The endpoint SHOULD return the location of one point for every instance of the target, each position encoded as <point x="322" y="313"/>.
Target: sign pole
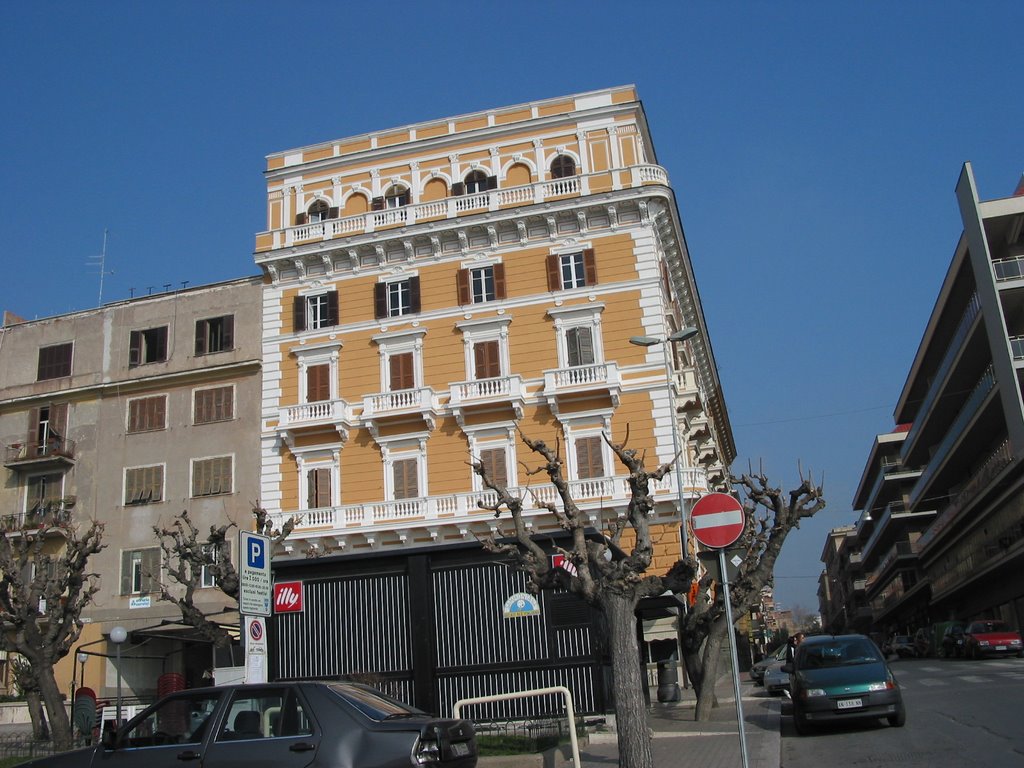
<point x="735" y="660"/>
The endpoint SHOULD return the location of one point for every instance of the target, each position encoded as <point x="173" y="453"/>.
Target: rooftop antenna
<point x="101" y="262"/>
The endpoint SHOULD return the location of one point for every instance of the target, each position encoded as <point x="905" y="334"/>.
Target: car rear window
<point x="837" y="653"/>
<point x="373" y="704"/>
<point x="981" y="627"/>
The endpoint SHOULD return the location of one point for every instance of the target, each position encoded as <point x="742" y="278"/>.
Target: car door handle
<point x="302" y="746"/>
<point x="188" y="754"/>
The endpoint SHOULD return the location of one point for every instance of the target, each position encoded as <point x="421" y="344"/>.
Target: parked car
<point x="923" y="642"/>
<point x="991" y="638"/>
<point x="952" y="646"/>
<point x="758" y="668"/>
<point x="776" y="679"/>
<point x="279" y="725"/>
<point x="902" y="646"/>
<point x="838" y="678"/>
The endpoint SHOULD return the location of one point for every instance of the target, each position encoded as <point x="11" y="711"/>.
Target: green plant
<point x="491" y="746"/>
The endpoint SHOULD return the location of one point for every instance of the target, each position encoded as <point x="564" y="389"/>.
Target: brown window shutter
<point x="159" y="412"/>
<point x="377" y="204"/>
<point x="462" y="286"/>
<point x="499" y="281"/>
<point x="201" y="326"/>
<point x="488" y="360"/>
<point x="299" y="314"/>
<point x="202" y="406"/>
<point x="588" y="458"/>
<point x="414" y="294"/>
<point x="332" y="212"/>
<point x="228" y="332"/>
<point x="380" y="300"/>
<point x="406" y="481"/>
<point x="332" y="308"/>
<point x="58" y="419"/>
<point x="318" y="383"/>
<point x="554" y="272"/>
<point x="161" y="344"/>
<point x="493" y="460"/>
<point x="134" y="348"/>
<point x="401" y="371"/>
<point x="301" y="218"/>
<point x="589" y="266"/>
<point x="458" y="189"/>
<point x="492" y="182"/>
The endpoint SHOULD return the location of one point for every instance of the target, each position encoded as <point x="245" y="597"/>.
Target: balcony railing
<point x="527" y="194"/>
<point x="50" y="512"/>
<point x="939" y="377"/>
<point x="311" y="414"/>
<point x="1008" y="269"/>
<point x="400" y="402"/>
<point x="486" y="391"/>
<point x="462" y="508"/>
<point x="583" y="378"/>
<point x="51" y="450"/>
<point x="900" y="549"/>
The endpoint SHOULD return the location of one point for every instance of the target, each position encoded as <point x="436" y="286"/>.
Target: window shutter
<point x="333" y="212"/>
<point x="150" y="569"/>
<point x="126" y="572"/>
<point x="301" y="218"/>
<point x="332" y="308"/>
<point x="554" y="272"/>
<point x="588" y="458"/>
<point x="318" y="383"/>
<point x="406" y="481"/>
<point x="414" y="294"/>
<point x="377" y="204"/>
<point x="161" y="344"/>
<point x="458" y="189"/>
<point x="589" y="266"/>
<point x="228" y="332"/>
<point x="499" y="281"/>
<point x="380" y="300"/>
<point x="201" y="326"/>
<point x="493" y="460"/>
<point x="492" y="182"/>
<point x="319" y="490"/>
<point x="299" y="313"/>
<point x="488" y="362"/>
<point x="58" y="419"/>
<point x="159" y="410"/>
<point x="585" y="338"/>
<point x="134" y="348"/>
<point x="401" y="371"/>
<point x="462" y="285"/>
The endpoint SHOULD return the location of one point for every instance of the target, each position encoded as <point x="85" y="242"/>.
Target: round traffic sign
<point x="717" y="520"/>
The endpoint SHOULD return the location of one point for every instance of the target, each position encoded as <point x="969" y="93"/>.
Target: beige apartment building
<point x="129" y="414"/>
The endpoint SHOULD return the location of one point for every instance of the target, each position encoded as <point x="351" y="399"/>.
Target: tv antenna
<point x="101" y="262"/>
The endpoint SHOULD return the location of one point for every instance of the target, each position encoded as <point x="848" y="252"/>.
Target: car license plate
<point x="849" y="703"/>
<point x="460" y="749"/>
<point x="1000" y="647"/>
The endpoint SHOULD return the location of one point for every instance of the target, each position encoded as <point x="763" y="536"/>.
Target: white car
<point x="775" y="680"/>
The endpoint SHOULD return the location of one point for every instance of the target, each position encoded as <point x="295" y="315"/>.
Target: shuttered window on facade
<point x="140" y="571"/>
<point x="54" y="361"/>
<point x="146" y="414"/>
<point x="143" y="485"/>
<point x="216" y="404"/>
<point x="571" y="270"/>
<point x="211" y="477"/>
<point x="402" y="373"/>
<point x="487" y="359"/>
<point x="318" y="382"/>
<point x="215" y="334"/>
<point x="589" y="457"/>
<point x="579" y="346"/>
<point x="495" y="465"/>
<point x="318" y="488"/>
<point x="406" y="480"/>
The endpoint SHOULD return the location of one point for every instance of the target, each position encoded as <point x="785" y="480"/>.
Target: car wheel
<point x="900" y="718"/>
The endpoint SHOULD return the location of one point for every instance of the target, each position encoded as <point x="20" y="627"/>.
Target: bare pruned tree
<point x="44" y="587"/>
<point x="187" y="553"/>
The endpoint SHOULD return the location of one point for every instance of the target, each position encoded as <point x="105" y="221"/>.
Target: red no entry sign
<point x="717" y="520"/>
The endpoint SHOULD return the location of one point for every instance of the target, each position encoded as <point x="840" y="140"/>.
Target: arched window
<point x="396" y="196"/>
<point x="476" y="181"/>
<point x="319" y="211"/>
<point x="562" y="167"/>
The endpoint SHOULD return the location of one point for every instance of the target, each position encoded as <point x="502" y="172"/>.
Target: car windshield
<point x="981" y="627"/>
<point x="837" y="653"/>
<point x="373" y="704"/>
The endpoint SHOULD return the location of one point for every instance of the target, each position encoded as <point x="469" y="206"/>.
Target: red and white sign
<point x="288" y="597"/>
<point x="717" y="520"/>
<point x="561" y="561"/>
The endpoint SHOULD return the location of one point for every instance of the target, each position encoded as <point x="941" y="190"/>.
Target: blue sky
<point x="813" y="147"/>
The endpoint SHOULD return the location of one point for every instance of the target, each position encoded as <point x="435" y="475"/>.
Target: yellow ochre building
<point x="427" y="289"/>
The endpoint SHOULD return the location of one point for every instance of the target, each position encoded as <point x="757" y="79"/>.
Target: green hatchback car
<point x="836" y="678"/>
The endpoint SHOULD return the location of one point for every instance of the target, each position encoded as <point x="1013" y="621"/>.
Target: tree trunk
<point x="630" y="709"/>
<point x="40" y="732"/>
<point x="60" y="723"/>
<point x="706" y="700"/>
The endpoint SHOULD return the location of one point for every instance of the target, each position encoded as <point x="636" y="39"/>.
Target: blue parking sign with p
<point x="257" y="555"/>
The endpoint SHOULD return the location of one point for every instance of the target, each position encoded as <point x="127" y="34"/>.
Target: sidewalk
<point x="679" y="740"/>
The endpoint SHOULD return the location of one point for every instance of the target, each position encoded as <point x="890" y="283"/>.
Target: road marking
<point x="931" y="669"/>
<point x="930" y="681"/>
<point x="972" y="679"/>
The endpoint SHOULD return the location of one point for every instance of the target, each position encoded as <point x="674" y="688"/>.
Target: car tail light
<point x="426" y="751"/>
<point x="888" y="685"/>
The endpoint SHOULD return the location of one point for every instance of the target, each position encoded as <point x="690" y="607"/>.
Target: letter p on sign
<point x="256" y="554"/>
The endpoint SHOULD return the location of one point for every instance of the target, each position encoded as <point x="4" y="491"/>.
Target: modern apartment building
<point x="942" y="497"/>
<point x="431" y="289"/>
<point x="129" y="414"/>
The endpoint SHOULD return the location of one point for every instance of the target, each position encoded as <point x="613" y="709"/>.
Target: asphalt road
<point x="959" y="713"/>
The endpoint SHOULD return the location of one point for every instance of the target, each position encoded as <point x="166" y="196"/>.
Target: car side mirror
<point x="787" y="668"/>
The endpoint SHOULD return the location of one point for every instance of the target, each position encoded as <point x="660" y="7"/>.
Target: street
<point x="959" y="713"/>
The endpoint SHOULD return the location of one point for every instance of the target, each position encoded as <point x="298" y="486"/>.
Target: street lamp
<point x="117" y="636"/>
<point x="82" y="658"/>
<point x="649" y="341"/>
